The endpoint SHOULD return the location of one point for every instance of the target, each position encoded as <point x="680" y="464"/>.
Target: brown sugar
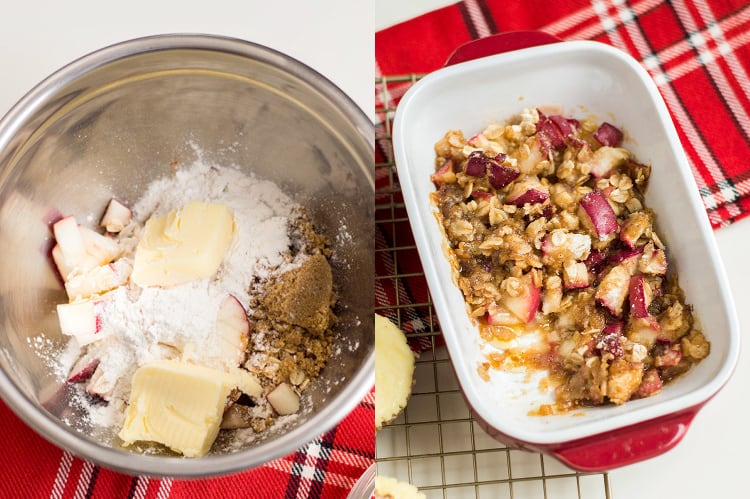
<point x="302" y="296"/>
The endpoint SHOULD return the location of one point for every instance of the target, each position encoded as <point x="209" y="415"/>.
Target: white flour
<point x="154" y="323"/>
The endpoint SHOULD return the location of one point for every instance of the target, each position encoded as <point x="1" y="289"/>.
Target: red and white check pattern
<point x="327" y="467"/>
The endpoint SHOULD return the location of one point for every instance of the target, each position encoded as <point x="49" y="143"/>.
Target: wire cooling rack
<point x="435" y="443"/>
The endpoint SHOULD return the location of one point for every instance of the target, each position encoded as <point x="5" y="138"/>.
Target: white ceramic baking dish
<point x="583" y="79"/>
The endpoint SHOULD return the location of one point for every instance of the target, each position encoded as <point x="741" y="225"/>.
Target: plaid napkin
<point x="327" y="467"/>
<point x="697" y="51"/>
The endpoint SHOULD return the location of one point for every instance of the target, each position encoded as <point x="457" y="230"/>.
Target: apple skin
<point x="596" y="212"/>
<point x="525" y="305"/>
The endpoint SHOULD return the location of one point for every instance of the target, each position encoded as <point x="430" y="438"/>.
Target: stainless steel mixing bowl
<point x="112" y="121"/>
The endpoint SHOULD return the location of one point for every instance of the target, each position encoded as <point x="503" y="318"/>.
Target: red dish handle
<point x="499" y="43"/>
<point x="626" y="445"/>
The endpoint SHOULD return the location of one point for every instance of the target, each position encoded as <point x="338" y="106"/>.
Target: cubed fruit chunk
<point x="634" y="227"/>
<point x="625" y="255"/>
<point x="552" y="300"/>
<point x="63" y="267"/>
<point x="500" y="175"/>
<point x="639" y="296"/>
<point x="563" y="245"/>
<point x="498" y="315"/>
<point x="70" y="240"/>
<point x="552" y="131"/>
<point x="644" y="330"/>
<point x="476" y="165"/>
<point x="232" y="331"/>
<point x="80" y="320"/>
<point x="653" y="262"/>
<point x="284" y="400"/>
<point x="527" y="191"/>
<point x="596" y="213"/>
<point x="444" y="174"/>
<point x="98" y="280"/>
<point x="100" y="385"/>
<point x="613" y="289"/>
<point x="83" y="369"/>
<point x="575" y="275"/>
<point x="607" y="160"/>
<point x="116" y="217"/>
<point x="609" y="340"/>
<point x="624" y="379"/>
<point x="669" y="356"/>
<point x="526" y="301"/>
<point x="650" y="384"/>
<point x="608" y="135"/>
<point x="102" y="248"/>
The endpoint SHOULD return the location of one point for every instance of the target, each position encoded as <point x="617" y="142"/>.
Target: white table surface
<point x="710" y="461"/>
<point x="334" y="37"/>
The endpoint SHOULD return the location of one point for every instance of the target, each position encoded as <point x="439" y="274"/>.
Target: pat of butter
<point x="185" y="245"/>
<point x="177" y="404"/>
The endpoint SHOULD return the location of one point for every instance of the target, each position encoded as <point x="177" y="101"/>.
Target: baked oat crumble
<point x="549" y="232"/>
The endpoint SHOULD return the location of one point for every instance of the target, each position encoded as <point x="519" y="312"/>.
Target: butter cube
<point x="177" y="404"/>
<point x="185" y="245"/>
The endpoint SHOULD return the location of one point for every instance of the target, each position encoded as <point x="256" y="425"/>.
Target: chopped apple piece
<point x="575" y="275"/>
<point x="624" y="379"/>
<point x="606" y="160"/>
<point x="237" y="416"/>
<point x="232" y="331"/>
<point x="70" y="240"/>
<point x="562" y="245"/>
<point x="552" y="299"/>
<point x="501" y="175"/>
<point x="63" y="267"/>
<point x="247" y="383"/>
<point x="101" y="385"/>
<point x="625" y="255"/>
<point x="639" y="296"/>
<point x="527" y="191"/>
<point x="83" y="369"/>
<point x="526" y="303"/>
<point x="613" y="289"/>
<point x="283" y="399"/>
<point x="608" y="135"/>
<point x="650" y="385"/>
<point x="644" y="330"/>
<point x="596" y="213"/>
<point x="80" y="319"/>
<point x="653" y="262"/>
<point x="104" y="249"/>
<point x="444" y="175"/>
<point x="96" y="281"/>
<point x="634" y="227"/>
<point x="497" y="315"/>
<point x="670" y="356"/>
<point x="116" y="217"/>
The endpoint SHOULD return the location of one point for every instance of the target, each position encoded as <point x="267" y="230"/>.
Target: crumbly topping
<point x="549" y="231"/>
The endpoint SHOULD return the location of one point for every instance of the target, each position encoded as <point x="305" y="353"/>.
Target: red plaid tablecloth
<point x="327" y="467"/>
<point x="697" y="51"/>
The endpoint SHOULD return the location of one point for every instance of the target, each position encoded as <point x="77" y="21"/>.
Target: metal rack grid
<point x="435" y="443"/>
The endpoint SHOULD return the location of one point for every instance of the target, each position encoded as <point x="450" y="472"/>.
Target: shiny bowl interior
<point x="111" y="122"/>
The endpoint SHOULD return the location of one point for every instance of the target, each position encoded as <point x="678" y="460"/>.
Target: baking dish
<point x="583" y="79"/>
